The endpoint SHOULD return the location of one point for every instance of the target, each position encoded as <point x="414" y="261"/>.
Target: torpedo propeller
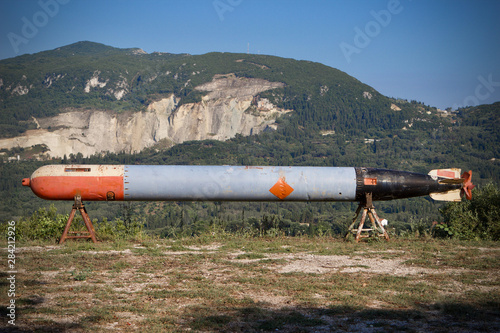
<point x="467" y="185"/>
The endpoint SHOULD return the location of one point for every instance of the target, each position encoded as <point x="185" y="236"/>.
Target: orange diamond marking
<point x="281" y="189"/>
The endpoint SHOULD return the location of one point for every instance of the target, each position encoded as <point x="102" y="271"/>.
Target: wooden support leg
<point x="376" y="225"/>
<point x="361" y="224"/>
<point x="349" y="230"/>
<point x="379" y="224"/>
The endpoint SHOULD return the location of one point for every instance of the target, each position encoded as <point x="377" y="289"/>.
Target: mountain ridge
<point x="88" y="75"/>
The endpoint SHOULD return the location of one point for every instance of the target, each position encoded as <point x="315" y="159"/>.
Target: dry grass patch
<point x="240" y="284"/>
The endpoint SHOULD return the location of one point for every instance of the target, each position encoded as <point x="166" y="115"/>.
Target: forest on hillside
<point x="469" y="142"/>
<point x="336" y="121"/>
<point x="47" y="83"/>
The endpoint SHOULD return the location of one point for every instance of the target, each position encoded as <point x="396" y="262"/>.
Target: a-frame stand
<point x="78" y="205"/>
<point x="368" y="209"/>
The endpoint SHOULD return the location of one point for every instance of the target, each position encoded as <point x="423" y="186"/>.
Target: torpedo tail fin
<point x="452" y="176"/>
<point x="453" y="195"/>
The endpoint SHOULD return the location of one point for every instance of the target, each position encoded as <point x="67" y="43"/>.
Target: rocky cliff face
<point x="229" y="107"/>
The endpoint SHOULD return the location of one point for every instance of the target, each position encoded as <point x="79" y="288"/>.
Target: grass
<point x="232" y="283"/>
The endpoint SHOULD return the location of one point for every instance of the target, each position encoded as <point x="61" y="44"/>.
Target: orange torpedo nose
<point x="26" y="182"/>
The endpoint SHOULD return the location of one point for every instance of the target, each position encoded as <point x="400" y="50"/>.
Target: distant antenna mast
<point x="248" y="48"/>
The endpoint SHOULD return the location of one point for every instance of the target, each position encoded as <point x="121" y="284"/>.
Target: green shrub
<point x="42" y="225"/>
<point x="478" y="218"/>
<point x="119" y="229"/>
<point x="47" y="225"/>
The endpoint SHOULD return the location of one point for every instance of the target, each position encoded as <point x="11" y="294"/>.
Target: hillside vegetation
<point x="49" y="82"/>
<point x="337" y="121"/>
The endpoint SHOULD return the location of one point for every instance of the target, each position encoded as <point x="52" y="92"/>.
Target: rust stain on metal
<point x="281" y="189"/>
<point x="77" y="170"/>
<point x="251" y="167"/>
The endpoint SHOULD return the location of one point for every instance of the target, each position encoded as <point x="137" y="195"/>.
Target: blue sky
<point x="443" y="53"/>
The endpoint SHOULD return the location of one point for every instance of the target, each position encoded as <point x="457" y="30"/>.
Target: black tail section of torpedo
<point x="440" y="184"/>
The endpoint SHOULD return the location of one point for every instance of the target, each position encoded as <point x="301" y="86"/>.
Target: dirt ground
<point x="286" y="287"/>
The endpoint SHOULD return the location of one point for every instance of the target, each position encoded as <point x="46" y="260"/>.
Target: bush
<point x="42" y="225"/>
<point x="119" y="229"/>
<point x="47" y="225"/>
<point x="478" y="218"/>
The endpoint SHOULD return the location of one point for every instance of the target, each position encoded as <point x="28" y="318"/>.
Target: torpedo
<point x="242" y="183"/>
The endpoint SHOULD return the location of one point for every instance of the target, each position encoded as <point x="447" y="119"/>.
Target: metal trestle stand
<point x="90" y="233"/>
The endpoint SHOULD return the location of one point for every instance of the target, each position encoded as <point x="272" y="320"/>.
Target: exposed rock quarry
<point x="229" y="107"/>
